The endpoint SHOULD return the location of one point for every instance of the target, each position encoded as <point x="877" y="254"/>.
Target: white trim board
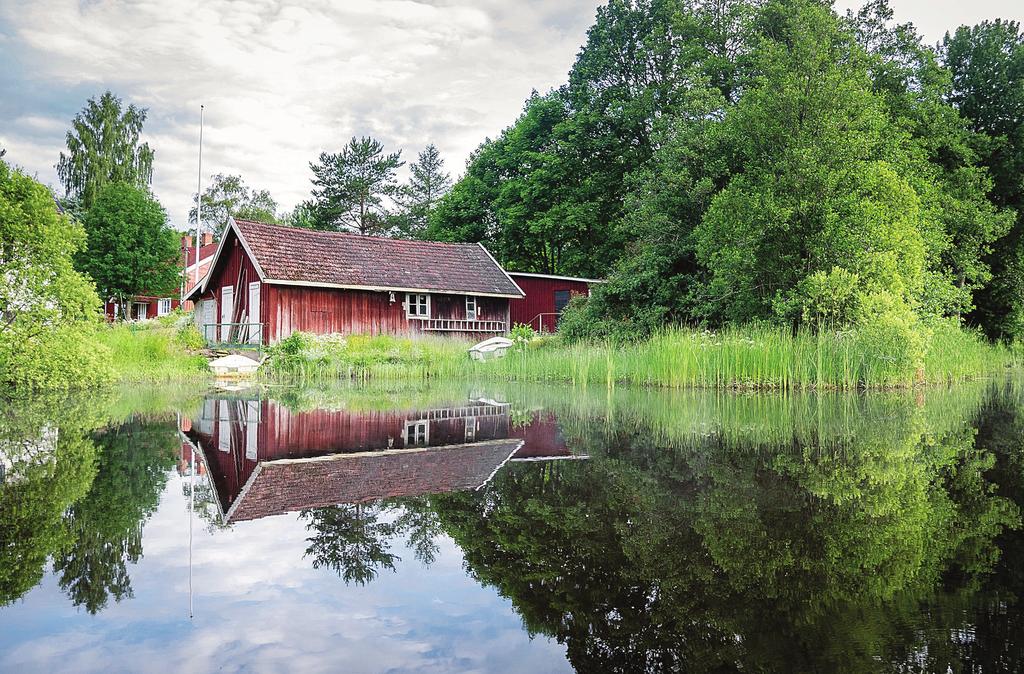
<point x="557" y="278"/>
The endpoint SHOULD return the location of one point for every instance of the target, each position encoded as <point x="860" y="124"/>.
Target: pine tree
<point x="428" y="182"/>
<point x="351" y="187"/>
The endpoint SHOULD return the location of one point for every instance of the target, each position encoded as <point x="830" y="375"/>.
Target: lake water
<point x="499" y="528"/>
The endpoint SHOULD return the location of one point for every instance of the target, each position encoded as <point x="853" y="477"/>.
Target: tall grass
<point x="742" y="358"/>
<point x="152" y="352"/>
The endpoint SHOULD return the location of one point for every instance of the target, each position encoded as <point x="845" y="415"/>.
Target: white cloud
<point x="284" y="81"/>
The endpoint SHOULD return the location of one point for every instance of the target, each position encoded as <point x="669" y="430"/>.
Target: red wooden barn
<point x="268" y="281"/>
<point x="545" y="298"/>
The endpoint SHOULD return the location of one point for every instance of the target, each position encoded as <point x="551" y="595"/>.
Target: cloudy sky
<point x="284" y="80"/>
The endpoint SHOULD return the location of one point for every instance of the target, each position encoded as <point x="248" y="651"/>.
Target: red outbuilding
<point x="545" y="298"/>
<point x="268" y="281"/>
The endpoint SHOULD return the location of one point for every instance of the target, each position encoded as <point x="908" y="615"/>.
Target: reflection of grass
<point x="688" y="418"/>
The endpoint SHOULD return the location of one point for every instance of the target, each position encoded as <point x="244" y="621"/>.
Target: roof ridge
<point x="353" y="235"/>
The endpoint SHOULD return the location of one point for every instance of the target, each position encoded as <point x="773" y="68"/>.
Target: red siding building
<point x="268" y="281"/>
<point x="545" y="298"/>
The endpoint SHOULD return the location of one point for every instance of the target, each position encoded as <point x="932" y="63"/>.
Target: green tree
<point x="229" y="196"/>
<point x="986" y="62"/>
<point x="428" y="182"/>
<point x="303" y="215"/>
<point x="103" y="147"/>
<point x="548" y="194"/>
<point x="352" y="188"/>
<point x="46" y="307"/>
<point x="131" y="249"/>
<point x="821" y="185"/>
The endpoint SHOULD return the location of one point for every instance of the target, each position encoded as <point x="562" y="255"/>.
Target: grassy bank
<point x="158" y="351"/>
<point x="742" y="358"/>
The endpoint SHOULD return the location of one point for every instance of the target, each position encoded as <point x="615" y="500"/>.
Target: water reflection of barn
<point x="264" y="458"/>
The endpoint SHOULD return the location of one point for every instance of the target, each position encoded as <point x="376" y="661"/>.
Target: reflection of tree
<point x="106" y="525"/>
<point x="351" y="540"/>
<point x="355" y="539"/>
<point x="50" y="465"/>
<point x="726" y="551"/>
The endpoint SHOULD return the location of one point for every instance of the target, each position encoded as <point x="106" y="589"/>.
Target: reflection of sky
<point x="259" y="606"/>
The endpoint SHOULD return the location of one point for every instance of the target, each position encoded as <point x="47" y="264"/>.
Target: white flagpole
<point x="199" y="196"/>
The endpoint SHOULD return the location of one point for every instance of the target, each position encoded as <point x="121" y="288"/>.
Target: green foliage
<point x="522" y="335"/>
<point x="350" y="187"/>
<point x="47" y="310"/>
<point x="986" y="64"/>
<point x="103" y="147"/>
<point x="753" y="160"/>
<point x="308" y="356"/>
<point x="131" y="248"/>
<point x="229" y="196"/>
<point x="153" y="353"/>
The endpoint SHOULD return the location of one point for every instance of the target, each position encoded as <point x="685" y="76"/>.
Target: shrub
<point x="522" y="335"/>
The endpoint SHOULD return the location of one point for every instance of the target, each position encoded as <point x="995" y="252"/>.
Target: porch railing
<point x="538" y="321"/>
<point x="233" y="335"/>
<point x="463" y="325"/>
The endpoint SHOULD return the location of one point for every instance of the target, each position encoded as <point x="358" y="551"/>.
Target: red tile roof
<point x="336" y="258"/>
<point x="296" y="484"/>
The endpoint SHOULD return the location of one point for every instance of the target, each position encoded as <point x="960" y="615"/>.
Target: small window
<point x="561" y="299"/>
<point x="470" y="429"/>
<point x="417" y="305"/>
<point x="163" y="307"/>
<point x="417" y="433"/>
<point x="470" y="308"/>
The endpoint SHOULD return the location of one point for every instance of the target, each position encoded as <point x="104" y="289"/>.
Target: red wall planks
<point x="540" y="299"/>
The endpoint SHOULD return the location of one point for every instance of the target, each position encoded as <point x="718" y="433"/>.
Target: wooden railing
<point x="463" y="325"/>
<point x="537" y="322"/>
<point x="234" y="335"/>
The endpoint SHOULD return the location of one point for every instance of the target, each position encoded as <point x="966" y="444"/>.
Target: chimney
<point x="207" y="238"/>
<point x="186" y="242"/>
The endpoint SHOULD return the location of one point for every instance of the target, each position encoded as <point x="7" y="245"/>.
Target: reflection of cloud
<point x="283" y="82"/>
<point x="261" y="607"/>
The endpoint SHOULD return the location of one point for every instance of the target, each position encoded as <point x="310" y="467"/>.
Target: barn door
<point x="227" y="310"/>
<point x="255" y="331"/>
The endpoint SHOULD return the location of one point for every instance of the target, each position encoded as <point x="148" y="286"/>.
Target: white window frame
<point x="163" y="306"/>
<point x="471" y="315"/>
<point x="471" y="426"/>
<point x="414" y="303"/>
<point x="420" y="433"/>
<point x="144" y="306"/>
